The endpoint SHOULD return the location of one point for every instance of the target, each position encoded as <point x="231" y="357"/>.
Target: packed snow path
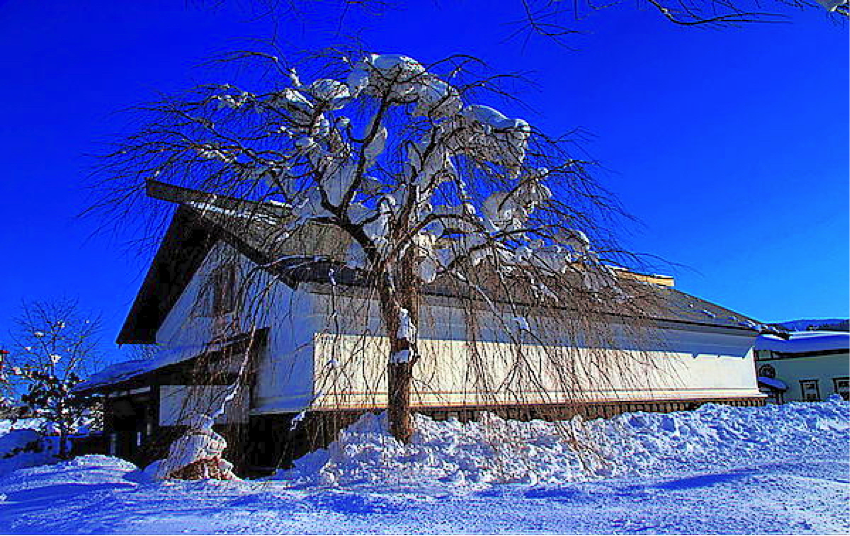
<point x="717" y="470"/>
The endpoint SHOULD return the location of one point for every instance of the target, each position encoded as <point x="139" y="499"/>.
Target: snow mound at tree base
<point x="495" y="450"/>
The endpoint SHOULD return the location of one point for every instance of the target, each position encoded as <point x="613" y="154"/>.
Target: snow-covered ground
<point x="778" y="469"/>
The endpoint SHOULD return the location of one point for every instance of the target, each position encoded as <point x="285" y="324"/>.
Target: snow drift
<point x="777" y="469"/>
<point x="26" y="448"/>
<point x="495" y="450"/>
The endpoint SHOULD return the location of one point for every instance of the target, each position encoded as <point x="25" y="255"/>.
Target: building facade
<point x="297" y="351"/>
<point x="809" y="366"/>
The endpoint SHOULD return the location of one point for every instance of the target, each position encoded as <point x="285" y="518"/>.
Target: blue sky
<point x="730" y="146"/>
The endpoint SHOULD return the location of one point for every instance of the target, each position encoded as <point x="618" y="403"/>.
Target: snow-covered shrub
<point x="196" y="454"/>
<point x="19" y="441"/>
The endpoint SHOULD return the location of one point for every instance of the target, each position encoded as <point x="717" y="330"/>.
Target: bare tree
<point x="557" y="20"/>
<point x="5" y="384"/>
<point x="427" y="192"/>
<point x="55" y="348"/>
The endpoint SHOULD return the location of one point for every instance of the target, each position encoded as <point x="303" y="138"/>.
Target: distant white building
<point x="809" y="366"/>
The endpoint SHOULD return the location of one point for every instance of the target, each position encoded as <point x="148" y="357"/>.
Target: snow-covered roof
<point x="193" y="231"/>
<point x="801" y="342"/>
<point x="127" y="370"/>
<point x="779" y="385"/>
<point x="116" y="373"/>
<point x="815" y="324"/>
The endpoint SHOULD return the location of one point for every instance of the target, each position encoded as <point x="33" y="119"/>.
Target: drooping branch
<point x="428" y="192"/>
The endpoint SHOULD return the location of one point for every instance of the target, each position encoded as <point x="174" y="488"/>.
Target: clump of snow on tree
<point x="330" y="170"/>
<point x="835" y="5"/>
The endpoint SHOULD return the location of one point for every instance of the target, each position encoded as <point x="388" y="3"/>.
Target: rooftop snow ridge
<point x="656" y="279"/>
<point x="805" y="342"/>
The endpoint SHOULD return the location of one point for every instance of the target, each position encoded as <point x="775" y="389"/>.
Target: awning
<point x="773" y="383"/>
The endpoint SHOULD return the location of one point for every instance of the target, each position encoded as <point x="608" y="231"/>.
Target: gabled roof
<point x="187" y="241"/>
<point x="664" y="302"/>
<point x="200" y="221"/>
<point x="203" y="219"/>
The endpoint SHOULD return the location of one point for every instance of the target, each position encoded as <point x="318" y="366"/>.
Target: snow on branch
<point x="393" y="154"/>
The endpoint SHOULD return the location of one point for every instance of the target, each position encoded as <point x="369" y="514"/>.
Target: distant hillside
<point x="826" y="324"/>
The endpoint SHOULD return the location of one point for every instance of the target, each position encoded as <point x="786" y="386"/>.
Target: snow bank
<point x="22" y="445"/>
<point x="30" y="442"/>
<point x="17" y="441"/>
<point x="478" y="453"/>
<point x="24" y="459"/>
<point x="90" y="469"/>
<point x="778" y="469"/>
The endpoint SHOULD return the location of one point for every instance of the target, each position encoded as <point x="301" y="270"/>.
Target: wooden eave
<point x="185" y="372"/>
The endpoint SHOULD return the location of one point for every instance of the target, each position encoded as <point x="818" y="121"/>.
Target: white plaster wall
<point x="285" y="372"/>
<point x="671" y="364"/>
<point x="821" y="368"/>
<point x="339" y="360"/>
<point x="285" y="365"/>
<point x="177" y="403"/>
<point x="183" y="328"/>
<point x="445" y="373"/>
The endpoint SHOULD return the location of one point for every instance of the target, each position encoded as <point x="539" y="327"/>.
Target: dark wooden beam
<point x="208" y="201"/>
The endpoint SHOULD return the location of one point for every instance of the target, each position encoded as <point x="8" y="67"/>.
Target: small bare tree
<point x="426" y="189"/>
<point x="5" y="385"/>
<point x="55" y="348"/>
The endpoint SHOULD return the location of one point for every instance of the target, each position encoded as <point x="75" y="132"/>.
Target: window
<point x="810" y="390"/>
<point x="842" y="387"/>
<point x="113" y="444"/>
<point x="767" y="371"/>
<point x="774" y="397"/>
<point x="218" y="296"/>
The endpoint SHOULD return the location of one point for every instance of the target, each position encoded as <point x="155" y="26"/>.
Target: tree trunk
<point x="403" y="353"/>
<point x="63" y="439"/>
<point x="400" y="376"/>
